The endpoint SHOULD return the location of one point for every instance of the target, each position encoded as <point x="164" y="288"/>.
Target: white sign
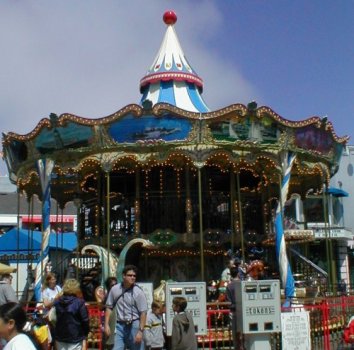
<point x="149" y="292"/>
<point x="295" y="327"/>
<point x="333" y="233"/>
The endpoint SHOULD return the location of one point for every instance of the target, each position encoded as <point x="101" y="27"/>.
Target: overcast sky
<point x="87" y="57"/>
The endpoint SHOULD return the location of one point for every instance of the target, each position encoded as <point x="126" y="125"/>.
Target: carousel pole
<point x="108" y="217"/>
<point x="240" y="216"/>
<point x="31" y="223"/>
<point x="29" y="236"/>
<point x="285" y="272"/>
<point x="137" y="231"/>
<point x="232" y="208"/>
<point x="18" y="237"/>
<point x="189" y="220"/>
<point x="29" y="278"/>
<point x="62" y="241"/>
<point x="56" y="236"/>
<point x="99" y="221"/>
<point x="78" y="203"/>
<point x="327" y="237"/>
<point x="45" y="167"/>
<point x="201" y="223"/>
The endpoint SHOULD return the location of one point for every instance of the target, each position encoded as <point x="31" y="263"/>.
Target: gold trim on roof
<point x="160" y="109"/>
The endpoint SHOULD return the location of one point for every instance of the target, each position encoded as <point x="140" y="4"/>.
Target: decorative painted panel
<point x="263" y="131"/>
<point x="148" y="127"/>
<point x="70" y="136"/>
<point x="312" y="138"/>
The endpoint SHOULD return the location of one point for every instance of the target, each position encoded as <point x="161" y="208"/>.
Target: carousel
<point x="185" y="183"/>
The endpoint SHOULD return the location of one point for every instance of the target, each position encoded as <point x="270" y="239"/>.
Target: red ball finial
<point x="169" y="17"/>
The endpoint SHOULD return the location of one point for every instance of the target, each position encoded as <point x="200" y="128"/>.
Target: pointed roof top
<point x="171" y="76"/>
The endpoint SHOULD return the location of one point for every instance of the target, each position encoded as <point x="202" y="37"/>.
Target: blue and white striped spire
<point x="45" y="168"/>
<point x="170" y="78"/>
<point x="285" y="272"/>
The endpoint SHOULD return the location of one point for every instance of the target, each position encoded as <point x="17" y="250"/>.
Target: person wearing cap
<point x="7" y="293"/>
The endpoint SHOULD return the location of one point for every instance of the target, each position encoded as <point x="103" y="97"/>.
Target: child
<point x="183" y="333"/>
<point x="12" y="320"/>
<point x="153" y="331"/>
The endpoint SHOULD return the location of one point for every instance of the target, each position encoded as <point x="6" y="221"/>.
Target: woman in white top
<point x="51" y="291"/>
<point x="12" y="320"/>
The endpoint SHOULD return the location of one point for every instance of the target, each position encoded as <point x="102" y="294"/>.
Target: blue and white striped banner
<point x="45" y="168"/>
<point x="286" y="275"/>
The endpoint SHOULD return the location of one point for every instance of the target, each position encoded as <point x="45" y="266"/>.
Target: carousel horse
<point x="102" y="253"/>
<point x="222" y="291"/>
<point x="122" y="256"/>
<point x="212" y="291"/>
<point x="255" y="270"/>
<point x="116" y="264"/>
<point x="160" y="292"/>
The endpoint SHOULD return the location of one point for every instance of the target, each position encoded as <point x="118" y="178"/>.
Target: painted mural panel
<point x="70" y="136"/>
<point x="312" y="138"/>
<point x="148" y="127"/>
<point x="17" y="152"/>
<point x="263" y="131"/>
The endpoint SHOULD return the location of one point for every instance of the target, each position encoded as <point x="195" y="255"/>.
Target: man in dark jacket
<point x="72" y="320"/>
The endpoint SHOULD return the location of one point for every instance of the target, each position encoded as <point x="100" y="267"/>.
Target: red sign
<point x="37" y="219"/>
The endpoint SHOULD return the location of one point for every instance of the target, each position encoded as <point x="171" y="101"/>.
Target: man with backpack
<point x="129" y="302"/>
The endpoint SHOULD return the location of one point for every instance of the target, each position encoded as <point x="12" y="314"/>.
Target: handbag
<point x="52" y="315"/>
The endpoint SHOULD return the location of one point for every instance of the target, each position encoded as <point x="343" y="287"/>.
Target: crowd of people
<point x="64" y="322"/>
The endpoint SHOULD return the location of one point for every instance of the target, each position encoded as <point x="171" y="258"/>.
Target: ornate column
<point x="137" y="221"/>
<point x="201" y="238"/>
<point x="232" y="209"/>
<point x="188" y="208"/>
<point x="107" y="167"/>
<point x="78" y="205"/>
<point x="239" y="206"/>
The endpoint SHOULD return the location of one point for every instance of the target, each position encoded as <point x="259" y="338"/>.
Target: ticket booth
<point x="195" y="293"/>
<point x="258" y="311"/>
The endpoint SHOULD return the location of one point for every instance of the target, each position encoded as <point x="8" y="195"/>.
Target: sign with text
<point x="295" y="328"/>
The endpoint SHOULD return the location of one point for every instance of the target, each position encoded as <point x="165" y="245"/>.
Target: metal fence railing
<point x="329" y="318"/>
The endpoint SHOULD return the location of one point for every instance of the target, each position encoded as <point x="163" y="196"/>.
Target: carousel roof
<point x="171" y="79"/>
<point x="173" y="131"/>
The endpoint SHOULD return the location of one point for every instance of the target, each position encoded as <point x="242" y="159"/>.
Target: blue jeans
<point x="125" y="335"/>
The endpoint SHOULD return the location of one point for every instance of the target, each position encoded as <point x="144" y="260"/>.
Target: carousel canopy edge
<point x="233" y="126"/>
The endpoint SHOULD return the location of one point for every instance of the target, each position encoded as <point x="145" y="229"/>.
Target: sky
<point x="86" y="57"/>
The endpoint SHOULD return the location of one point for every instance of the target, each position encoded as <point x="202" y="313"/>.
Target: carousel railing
<point x="329" y="319"/>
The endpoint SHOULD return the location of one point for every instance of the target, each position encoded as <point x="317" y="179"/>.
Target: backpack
<point x="31" y="335"/>
<point x="127" y="290"/>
